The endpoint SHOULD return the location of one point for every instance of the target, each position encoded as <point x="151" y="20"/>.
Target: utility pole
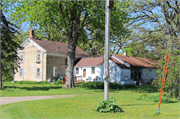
<point x="106" y="55"/>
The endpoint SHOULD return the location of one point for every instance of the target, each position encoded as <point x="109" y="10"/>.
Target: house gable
<point x="27" y="41"/>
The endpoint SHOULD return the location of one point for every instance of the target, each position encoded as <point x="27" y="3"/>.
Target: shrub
<point x="108" y="106"/>
<point x="100" y="85"/>
<point x="115" y="86"/>
<point x="58" y="82"/>
<point x="93" y="85"/>
<point x="172" y="82"/>
<point x="32" y="82"/>
<point x="155" y="98"/>
<point x="44" y="82"/>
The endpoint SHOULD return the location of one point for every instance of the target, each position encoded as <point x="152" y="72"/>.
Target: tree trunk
<point x="178" y="21"/>
<point x="70" y="63"/>
<point x="0" y="67"/>
<point x="0" y="80"/>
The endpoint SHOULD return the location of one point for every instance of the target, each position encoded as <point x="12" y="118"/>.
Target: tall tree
<point x="9" y="45"/>
<point x="68" y="17"/>
<point x="156" y="24"/>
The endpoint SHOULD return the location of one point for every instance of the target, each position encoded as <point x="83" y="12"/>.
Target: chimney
<point x="125" y="53"/>
<point x="31" y="33"/>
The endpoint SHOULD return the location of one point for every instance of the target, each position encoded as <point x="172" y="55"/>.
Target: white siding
<point x="126" y="74"/>
<point x="114" y="72"/>
<point x="148" y="74"/>
<point x="88" y="71"/>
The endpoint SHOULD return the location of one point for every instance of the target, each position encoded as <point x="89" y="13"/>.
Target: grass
<point x="12" y="90"/>
<point x="82" y="107"/>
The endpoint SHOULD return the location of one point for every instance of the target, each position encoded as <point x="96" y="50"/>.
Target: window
<point x="77" y="70"/>
<point x="21" y="71"/>
<point x="38" y="72"/>
<point x="21" y="56"/>
<point x="92" y="70"/>
<point x="38" y="56"/>
<point x="55" y="71"/>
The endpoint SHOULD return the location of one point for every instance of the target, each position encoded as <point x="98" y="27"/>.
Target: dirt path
<point x="7" y="100"/>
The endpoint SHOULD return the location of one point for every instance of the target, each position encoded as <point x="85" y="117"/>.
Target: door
<point x="84" y="73"/>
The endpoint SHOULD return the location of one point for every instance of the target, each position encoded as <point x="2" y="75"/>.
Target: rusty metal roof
<point x="138" y="61"/>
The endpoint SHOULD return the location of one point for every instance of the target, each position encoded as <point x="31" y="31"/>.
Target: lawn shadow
<point x="141" y="88"/>
<point x="33" y="88"/>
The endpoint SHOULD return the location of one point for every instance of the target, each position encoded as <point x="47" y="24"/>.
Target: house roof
<point x="137" y="61"/>
<point x="118" y="63"/>
<point x="52" y="46"/>
<point x="92" y="61"/>
<point x="96" y="61"/>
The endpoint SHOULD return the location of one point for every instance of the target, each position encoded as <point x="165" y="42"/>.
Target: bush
<point x="108" y="106"/>
<point x="115" y="86"/>
<point x="32" y="82"/>
<point x="58" y="82"/>
<point x="172" y="82"/>
<point x="93" y="85"/>
<point x="155" y="98"/>
<point x="100" y="85"/>
<point x="44" y="82"/>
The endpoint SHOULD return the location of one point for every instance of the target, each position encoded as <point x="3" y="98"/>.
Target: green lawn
<point x="81" y="107"/>
<point x="42" y="89"/>
<point x="12" y="90"/>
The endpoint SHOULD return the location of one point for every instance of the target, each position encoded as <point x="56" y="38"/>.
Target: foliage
<point x="155" y="98"/>
<point x="155" y="26"/>
<point x="9" y="45"/>
<point x="59" y="82"/>
<point x="32" y="82"/>
<point x="108" y="106"/>
<point x="93" y="85"/>
<point x="172" y="83"/>
<point x="100" y="85"/>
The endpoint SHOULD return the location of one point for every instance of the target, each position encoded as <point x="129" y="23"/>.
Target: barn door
<point x="84" y="73"/>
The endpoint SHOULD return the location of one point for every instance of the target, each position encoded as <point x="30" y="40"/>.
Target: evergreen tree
<point x="8" y="49"/>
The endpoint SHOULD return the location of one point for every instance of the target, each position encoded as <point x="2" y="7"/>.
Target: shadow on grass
<point x="137" y="104"/>
<point x="116" y="87"/>
<point x="141" y="88"/>
<point x="33" y="88"/>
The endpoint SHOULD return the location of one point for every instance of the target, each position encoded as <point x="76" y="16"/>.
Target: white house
<point x="121" y="67"/>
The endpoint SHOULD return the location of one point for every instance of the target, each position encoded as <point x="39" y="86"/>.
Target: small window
<point x="77" y="70"/>
<point x="92" y="70"/>
<point x="38" y="56"/>
<point x="54" y="71"/>
<point x="21" y="56"/>
<point x="21" y="71"/>
<point x="38" y="72"/>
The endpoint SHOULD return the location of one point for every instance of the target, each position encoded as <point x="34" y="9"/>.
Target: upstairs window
<point x="38" y="72"/>
<point x="38" y="56"/>
<point x="92" y="70"/>
<point x="77" y="70"/>
<point x="21" y="72"/>
<point x="54" y="71"/>
<point x="21" y="56"/>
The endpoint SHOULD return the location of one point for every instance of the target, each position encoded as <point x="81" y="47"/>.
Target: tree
<point x="156" y="25"/>
<point x="68" y="17"/>
<point x="9" y="45"/>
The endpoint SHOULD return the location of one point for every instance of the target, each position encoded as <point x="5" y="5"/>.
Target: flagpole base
<point x="158" y="110"/>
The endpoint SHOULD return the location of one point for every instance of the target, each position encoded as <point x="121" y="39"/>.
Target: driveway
<point x="7" y="100"/>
